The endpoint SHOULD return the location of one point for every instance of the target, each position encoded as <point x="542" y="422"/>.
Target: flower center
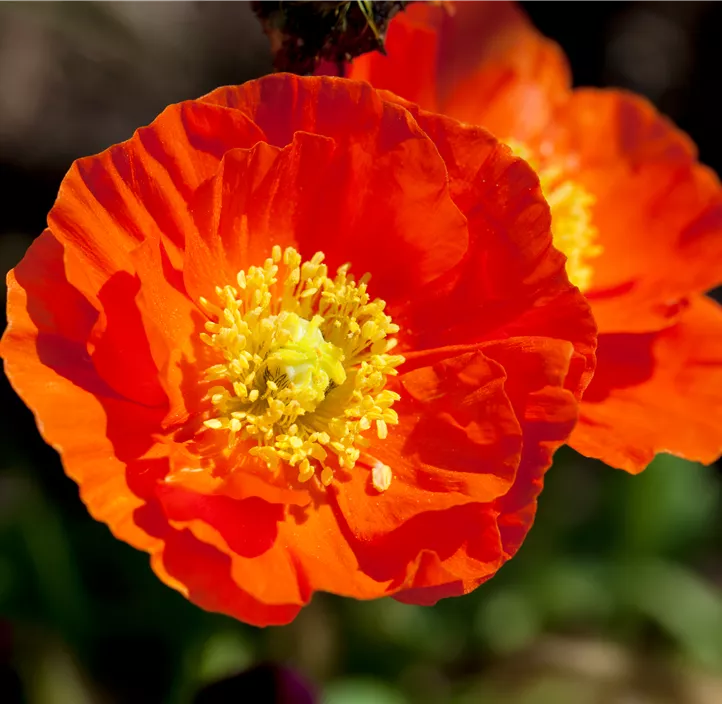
<point x="301" y="361"/>
<point x="571" y="207"/>
<point x="305" y="359"/>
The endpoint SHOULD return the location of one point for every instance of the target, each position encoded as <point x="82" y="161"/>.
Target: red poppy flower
<point x="638" y="217"/>
<point x="232" y="400"/>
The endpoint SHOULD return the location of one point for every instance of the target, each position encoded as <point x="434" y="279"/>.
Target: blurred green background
<point x="615" y="598"/>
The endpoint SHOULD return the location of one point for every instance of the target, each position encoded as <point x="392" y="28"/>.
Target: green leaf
<point x="683" y="604"/>
<point x="669" y="505"/>
<point x="224" y="654"/>
<point x="508" y="621"/>
<point x="361" y="691"/>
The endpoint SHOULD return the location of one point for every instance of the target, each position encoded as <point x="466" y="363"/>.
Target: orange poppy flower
<point x="266" y="421"/>
<point x="638" y="217"/>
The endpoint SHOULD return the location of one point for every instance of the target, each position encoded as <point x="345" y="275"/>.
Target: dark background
<point x="616" y="596"/>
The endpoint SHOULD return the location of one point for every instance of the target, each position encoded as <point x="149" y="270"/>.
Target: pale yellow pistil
<point x="571" y="207"/>
<point x="305" y="363"/>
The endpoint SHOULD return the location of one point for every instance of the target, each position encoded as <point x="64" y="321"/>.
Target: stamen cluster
<point x="305" y="360"/>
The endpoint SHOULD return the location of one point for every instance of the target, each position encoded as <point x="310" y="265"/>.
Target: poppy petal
<point x="338" y="190"/>
<point x="409" y="66"/>
<point x="546" y="403"/>
<point x="656" y="392"/>
<point x="481" y="63"/>
<point x="458" y="543"/>
<point x="202" y="573"/>
<point x="656" y="206"/>
<point x="458" y="441"/>
<point x="536" y="373"/>
<point x="243" y="530"/>
<point x="526" y="292"/>
<point x="44" y="348"/>
<point x="323" y="551"/>
<point x="279" y="557"/>
<point x="140" y="189"/>
<point x="118" y="344"/>
<point x="171" y="323"/>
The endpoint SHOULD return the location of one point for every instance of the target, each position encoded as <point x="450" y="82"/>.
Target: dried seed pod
<point x="303" y="34"/>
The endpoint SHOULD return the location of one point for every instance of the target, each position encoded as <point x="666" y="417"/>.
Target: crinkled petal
<point x="658" y="211"/>
<point x="656" y="392"/>
<point x="203" y="573"/>
<point x="537" y="371"/>
<point x="99" y="433"/>
<point x="119" y="346"/>
<point x="479" y="62"/>
<point x="512" y="282"/>
<point x="544" y="393"/>
<point x="458" y="441"/>
<point x="437" y="547"/>
<point x="277" y="556"/>
<point x="110" y="203"/>
<point x="367" y="186"/>
<point x="171" y="324"/>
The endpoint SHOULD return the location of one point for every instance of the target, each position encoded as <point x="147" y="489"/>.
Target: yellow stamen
<point x="303" y="364"/>
<point x="572" y="223"/>
<point x="381" y="476"/>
